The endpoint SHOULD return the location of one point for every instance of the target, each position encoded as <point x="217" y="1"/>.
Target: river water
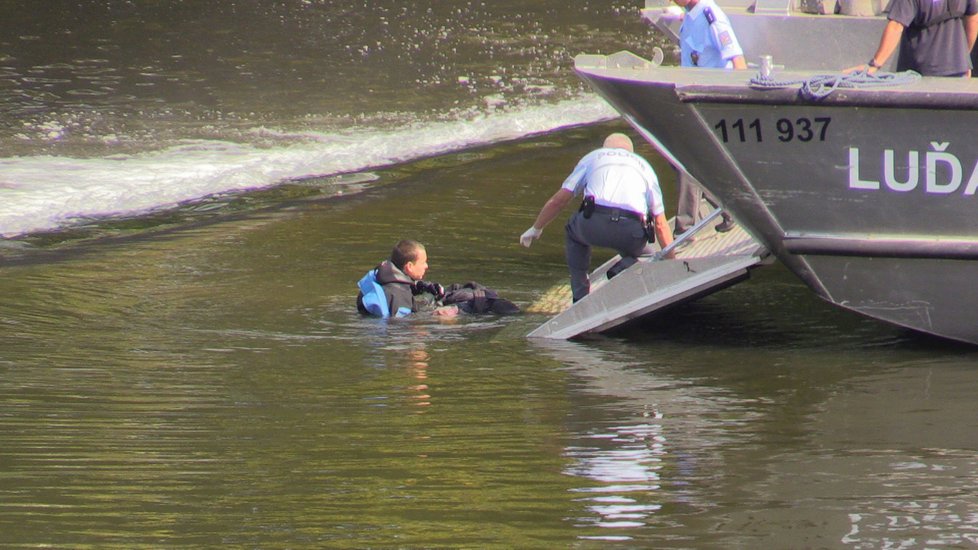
<point x="188" y="194"/>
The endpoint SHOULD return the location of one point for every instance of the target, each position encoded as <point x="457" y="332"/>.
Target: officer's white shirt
<point x="617" y="178"/>
<point x="714" y="44"/>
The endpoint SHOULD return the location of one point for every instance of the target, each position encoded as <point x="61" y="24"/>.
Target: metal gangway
<point x="705" y="262"/>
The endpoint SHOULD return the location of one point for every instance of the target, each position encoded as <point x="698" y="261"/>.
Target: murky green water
<point x="211" y="384"/>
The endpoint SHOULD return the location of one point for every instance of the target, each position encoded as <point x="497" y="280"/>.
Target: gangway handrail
<point x="688" y="234"/>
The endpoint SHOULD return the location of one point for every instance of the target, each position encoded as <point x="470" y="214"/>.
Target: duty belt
<point x="617" y="213"/>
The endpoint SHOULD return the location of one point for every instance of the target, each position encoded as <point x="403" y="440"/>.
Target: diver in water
<point x="395" y="289"/>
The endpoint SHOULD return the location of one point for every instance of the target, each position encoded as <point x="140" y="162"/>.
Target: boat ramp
<point x="705" y="262"/>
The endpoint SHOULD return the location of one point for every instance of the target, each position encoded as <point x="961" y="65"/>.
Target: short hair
<point x="405" y="251"/>
<point x="619" y="141"/>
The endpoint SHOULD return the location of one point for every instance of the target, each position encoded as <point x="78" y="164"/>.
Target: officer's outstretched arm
<point x="550" y="210"/>
<point x="664" y="233"/>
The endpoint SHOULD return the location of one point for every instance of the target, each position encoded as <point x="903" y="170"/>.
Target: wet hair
<point x="405" y="251"/>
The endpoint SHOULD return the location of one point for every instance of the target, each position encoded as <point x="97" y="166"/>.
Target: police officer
<point x="706" y="39"/>
<point x="621" y="192"/>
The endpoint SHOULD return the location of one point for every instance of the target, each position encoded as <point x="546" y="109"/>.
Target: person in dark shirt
<point x="935" y="37"/>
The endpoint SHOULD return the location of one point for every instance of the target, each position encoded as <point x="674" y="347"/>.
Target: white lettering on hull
<point x="855" y="182"/>
<point x="941" y="173"/>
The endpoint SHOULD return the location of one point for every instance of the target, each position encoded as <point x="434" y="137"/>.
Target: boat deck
<point x="706" y="261"/>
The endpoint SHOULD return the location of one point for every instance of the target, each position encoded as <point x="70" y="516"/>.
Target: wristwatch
<point x="872" y="63"/>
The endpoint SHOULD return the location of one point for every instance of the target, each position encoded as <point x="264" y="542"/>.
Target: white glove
<point x="530" y="235"/>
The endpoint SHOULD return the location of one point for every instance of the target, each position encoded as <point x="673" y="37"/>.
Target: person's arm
<point x="971" y="31"/>
<point x="664" y="233"/>
<point x="554" y="205"/>
<point x="725" y="40"/>
<point x="888" y="43"/>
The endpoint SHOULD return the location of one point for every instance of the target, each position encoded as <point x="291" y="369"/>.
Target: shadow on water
<point x="773" y="310"/>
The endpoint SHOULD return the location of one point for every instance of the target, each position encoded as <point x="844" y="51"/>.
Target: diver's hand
<point x="434" y="289"/>
<point x="446" y="311"/>
<point x="530" y="235"/>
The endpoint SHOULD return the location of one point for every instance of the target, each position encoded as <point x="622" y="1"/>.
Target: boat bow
<point x="868" y="195"/>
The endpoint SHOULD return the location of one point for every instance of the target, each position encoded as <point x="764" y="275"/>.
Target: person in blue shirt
<point x="707" y="40"/>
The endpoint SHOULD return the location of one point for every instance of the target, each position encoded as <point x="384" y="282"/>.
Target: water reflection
<point x="417" y="366"/>
<point x="405" y="346"/>
<point x="849" y="459"/>
<point x="631" y="468"/>
<point x="627" y="462"/>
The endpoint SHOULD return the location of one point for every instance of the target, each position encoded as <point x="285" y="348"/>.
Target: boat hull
<point x="868" y="196"/>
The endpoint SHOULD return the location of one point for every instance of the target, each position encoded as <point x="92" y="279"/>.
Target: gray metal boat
<point x="867" y="194"/>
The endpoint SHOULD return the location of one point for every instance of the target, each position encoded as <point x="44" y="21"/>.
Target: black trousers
<point x="626" y="236"/>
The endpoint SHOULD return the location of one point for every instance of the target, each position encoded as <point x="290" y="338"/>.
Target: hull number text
<point x="801" y="129"/>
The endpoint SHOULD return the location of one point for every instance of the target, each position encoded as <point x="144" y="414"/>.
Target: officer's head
<point x="619" y="141"/>
<point x="411" y="258"/>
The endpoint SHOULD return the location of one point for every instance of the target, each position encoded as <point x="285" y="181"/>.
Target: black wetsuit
<point x="400" y="291"/>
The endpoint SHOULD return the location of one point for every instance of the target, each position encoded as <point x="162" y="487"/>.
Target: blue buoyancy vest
<point x="375" y="299"/>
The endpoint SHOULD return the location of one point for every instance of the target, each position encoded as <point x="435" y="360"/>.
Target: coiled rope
<point x="820" y="86"/>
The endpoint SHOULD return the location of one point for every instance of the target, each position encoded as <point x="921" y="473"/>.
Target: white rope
<point x="820" y="86"/>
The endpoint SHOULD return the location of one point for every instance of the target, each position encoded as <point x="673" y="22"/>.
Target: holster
<point x="587" y="207"/>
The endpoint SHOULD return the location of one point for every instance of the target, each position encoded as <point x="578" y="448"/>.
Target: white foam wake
<point x="44" y="193"/>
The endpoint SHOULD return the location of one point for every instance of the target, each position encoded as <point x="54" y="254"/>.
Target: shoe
<point x="725" y="225"/>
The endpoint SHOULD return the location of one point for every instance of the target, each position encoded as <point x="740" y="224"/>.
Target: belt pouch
<point x="587" y="207"/>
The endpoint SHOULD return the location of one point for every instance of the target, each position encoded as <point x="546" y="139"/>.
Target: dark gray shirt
<point x="934" y="42"/>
